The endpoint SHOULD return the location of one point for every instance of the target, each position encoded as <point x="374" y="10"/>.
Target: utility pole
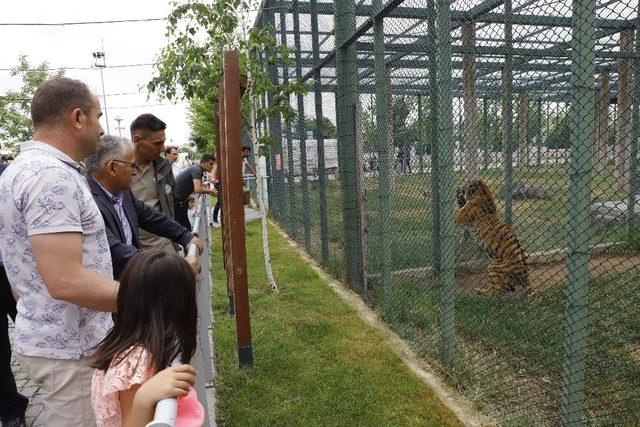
<point x="119" y="128"/>
<point x="100" y="63"/>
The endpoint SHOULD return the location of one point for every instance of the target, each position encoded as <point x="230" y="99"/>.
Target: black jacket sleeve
<point x="121" y="253"/>
<point x="160" y="224"/>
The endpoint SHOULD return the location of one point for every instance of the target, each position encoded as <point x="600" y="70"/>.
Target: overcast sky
<point x="72" y="46"/>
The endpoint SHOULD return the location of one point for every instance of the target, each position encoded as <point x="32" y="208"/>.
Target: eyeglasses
<point x="133" y="165"/>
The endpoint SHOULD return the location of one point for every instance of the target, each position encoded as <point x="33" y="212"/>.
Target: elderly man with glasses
<point x="110" y="173"/>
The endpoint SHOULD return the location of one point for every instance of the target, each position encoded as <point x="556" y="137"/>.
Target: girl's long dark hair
<point x="156" y="310"/>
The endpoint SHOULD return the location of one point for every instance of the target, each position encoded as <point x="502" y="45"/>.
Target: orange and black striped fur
<point x="477" y="213"/>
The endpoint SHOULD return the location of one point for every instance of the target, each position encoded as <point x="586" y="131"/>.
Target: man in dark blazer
<point x="109" y="175"/>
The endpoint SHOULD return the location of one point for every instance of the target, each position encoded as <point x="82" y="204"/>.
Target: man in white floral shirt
<point x="55" y="250"/>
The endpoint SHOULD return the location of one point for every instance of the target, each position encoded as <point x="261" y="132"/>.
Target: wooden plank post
<point x="523" y="146"/>
<point x="624" y="124"/>
<point x="223" y="208"/>
<point x="602" y="125"/>
<point x="233" y="212"/>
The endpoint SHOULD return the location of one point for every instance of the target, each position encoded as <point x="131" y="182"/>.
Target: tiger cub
<point x="476" y="212"/>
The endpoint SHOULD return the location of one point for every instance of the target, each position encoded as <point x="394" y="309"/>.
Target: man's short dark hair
<point x="145" y="124"/>
<point x="246" y="148"/>
<point x="57" y="97"/>
<point x="167" y="151"/>
<point x="206" y="158"/>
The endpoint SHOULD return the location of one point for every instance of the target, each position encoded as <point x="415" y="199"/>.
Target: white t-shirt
<point x="191" y="214"/>
<point x="43" y="192"/>
<point x="245" y="162"/>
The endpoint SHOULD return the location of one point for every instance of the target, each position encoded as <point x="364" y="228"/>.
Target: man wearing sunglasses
<point x="110" y="175"/>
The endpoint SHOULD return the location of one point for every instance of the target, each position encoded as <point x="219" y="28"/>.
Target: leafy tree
<point x="558" y="136"/>
<point x="494" y="126"/>
<point x="404" y="126"/>
<point x="190" y="67"/>
<point x="15" y="116"/>
<point x="404" y="122"/>
<point x="329" y="130"/>
<point x="203" y="132"/>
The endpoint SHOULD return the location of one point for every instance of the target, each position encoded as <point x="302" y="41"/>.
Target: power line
<point x="19" y="98"/>
<point x="10" y="98"/>
<point x="117" y="21"/>
<point x="62" y="24"/>
<point x="148" y="105"/>
<point x="35" y="70"/>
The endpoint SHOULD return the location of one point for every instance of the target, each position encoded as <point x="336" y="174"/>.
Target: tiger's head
<point x="478" y="193"/>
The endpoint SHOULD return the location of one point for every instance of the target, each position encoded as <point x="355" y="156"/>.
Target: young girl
<point x="156" y="321"/>
<point x="191" y="210"/>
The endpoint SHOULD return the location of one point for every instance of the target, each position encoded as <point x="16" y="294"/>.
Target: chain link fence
<point x="409" y="101"/>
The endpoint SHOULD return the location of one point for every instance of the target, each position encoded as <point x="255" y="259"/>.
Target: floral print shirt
<point x="43" y="192"/>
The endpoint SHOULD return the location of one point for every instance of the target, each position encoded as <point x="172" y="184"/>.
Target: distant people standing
<point x="246" y="152"/>
<point x="215" y="176"/>
<point x="190" y="181"/>
<point x="155" y="183"/>
<point x="55" y="251"/>
<point x="171" y="153"/>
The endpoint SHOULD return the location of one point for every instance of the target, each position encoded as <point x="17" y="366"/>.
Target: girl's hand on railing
<point x="171" y="382"/>
<point x="194" y="263"/>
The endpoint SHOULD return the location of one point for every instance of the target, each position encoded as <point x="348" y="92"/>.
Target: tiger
<point x="476" y="212"/>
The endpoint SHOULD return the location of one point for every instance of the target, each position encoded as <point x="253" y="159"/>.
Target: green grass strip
<point x="316" y="361"/>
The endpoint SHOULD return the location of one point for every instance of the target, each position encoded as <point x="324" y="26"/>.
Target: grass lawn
<point x="316" y="362"/>
<point x="510" y="349"/>
<point x="539" y="224"/>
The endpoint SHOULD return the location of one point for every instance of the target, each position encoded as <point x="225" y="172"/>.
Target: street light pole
<point x="119" y="119"/>
<point x="100" y="63"/>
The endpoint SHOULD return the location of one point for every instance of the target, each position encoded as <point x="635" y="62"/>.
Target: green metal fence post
<point x="548" y="127"/>
<point x="385" y="245"/>
<point x="293" y="211"/>
<point x="615" y="140"/>
<point x="460" y="136"/>
<point x="582" y="133"/>
<point x="539" y="139"/>
<point x="485" y="131"/>
<point x="507" y="114"/>
<point x="324" y="222"/>
<point x="346" y="98"/>
<point x="445" y="159"/>
<point x="306" y="222"/>
<point x="275" y="129"/>
<point x="421" y="144"/>
<point x="433" y="134"/>
<point x="633" y="167"/>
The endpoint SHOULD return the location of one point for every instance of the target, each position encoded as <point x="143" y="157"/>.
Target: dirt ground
<point x="545" y="276"/>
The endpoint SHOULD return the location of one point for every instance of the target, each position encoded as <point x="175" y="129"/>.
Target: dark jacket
<point x="139" y="215"/>
<point x="3" y="166"/>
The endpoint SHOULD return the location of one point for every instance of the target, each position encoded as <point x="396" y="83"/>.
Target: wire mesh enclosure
<point x="470" y="169"/>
